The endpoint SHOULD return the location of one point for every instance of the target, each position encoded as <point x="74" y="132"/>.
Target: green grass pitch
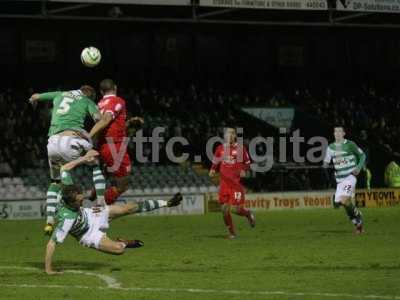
<point x="289" y="255"/>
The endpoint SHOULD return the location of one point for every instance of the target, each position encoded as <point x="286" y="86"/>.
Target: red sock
<point x="111" y="194"/>
<point x="229" y="223"/>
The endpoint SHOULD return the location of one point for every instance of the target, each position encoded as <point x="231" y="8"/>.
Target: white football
<point x="90" y="57"/>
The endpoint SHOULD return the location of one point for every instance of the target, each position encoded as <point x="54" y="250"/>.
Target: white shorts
<point x="98" y="224"/>
<point x="346" y="188"/>
<point x="63" y="149"/>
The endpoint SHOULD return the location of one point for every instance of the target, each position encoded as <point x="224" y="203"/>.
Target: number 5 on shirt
<point x="65" y="105"/>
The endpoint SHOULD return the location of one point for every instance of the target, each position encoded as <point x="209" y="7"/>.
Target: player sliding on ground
<point x="348" y="160"/>
<point x="233" y="161"/>
<point x="67" y="138"/>
<point x="89" y="225"/>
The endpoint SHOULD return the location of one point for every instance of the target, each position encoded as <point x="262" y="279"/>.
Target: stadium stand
<point x="23" y="162"/>
<point x="365" y="113"/>
<point x="145" y="180"/>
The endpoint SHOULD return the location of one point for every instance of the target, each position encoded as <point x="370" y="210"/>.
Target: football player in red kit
<point x="112" y="142"/>
<point x="233" y="161"/>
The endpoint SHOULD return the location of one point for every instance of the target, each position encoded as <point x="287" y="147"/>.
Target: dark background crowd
<point x="194" y="80"/>
<point x="199" y="114"/>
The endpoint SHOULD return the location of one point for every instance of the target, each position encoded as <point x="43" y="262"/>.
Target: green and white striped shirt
<point x="70" y="221"/>
<point x="346" y="157"/>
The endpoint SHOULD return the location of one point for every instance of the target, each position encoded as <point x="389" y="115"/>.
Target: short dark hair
<point x="69" y="192"/>
<point x="107" y="85"/>
<point x="339" y="126"/>
<point x="88" y="91"/>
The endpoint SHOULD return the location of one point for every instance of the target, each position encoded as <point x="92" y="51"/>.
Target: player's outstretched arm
<point x="89" y="157"/>
<point x="328" y="158"/>
<point x="101" y="124"/>
<point x="64" y="225"/>
<point x="51" y="247"/>
<point x="325" y="165"/>
<point x="246" y="163"/>
<point x="215" y="161"/>
<point x="43" y="97"/>
<point x="34" y="99"/>
<point x="361" y="157"/>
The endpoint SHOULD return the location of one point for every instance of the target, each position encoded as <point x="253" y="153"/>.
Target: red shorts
<point x="118" y="165"/>
<point x="233" y="196"/>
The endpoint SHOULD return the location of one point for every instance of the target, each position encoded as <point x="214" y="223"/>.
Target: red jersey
<point x="117" y="128"/>
<point x="231" y="160"/>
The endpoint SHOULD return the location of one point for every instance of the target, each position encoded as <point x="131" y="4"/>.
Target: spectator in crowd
<point x="5" y="168"/>
<point x="198" y="113"/>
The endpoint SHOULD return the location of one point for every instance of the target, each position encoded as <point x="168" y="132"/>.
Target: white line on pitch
<point x="110" y="281"/>
<point x="209" y="291"/>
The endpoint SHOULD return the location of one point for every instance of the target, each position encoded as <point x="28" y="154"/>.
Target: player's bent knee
<point x="119" y="249"/>
<point x="111" y="247"/>
<point x="116" y="249"/>
<point x="132" y="208"/>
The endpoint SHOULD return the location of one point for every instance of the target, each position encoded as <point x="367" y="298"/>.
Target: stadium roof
<point x="191" y="12"/>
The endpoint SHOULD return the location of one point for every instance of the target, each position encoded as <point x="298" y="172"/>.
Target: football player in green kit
<point x="348" y="160"/>
<point x="68" y="139"/>
<point x="89" y="225"/>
